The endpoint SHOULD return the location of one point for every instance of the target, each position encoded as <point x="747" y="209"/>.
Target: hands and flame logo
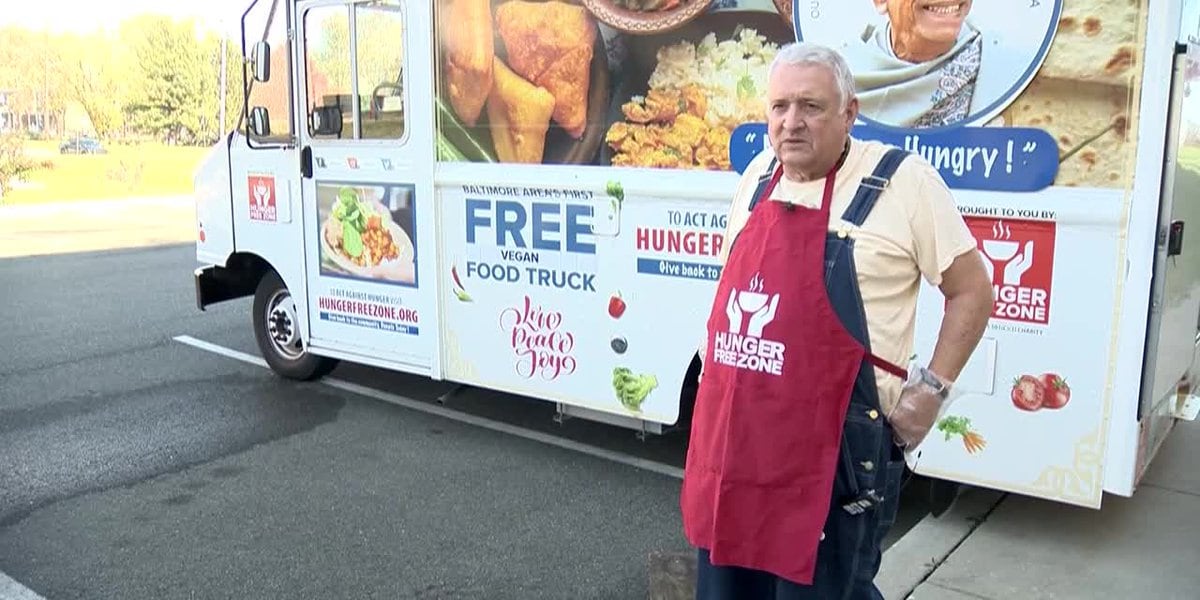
<point x="751" y="300"/>
<point x="1002" y="250"/>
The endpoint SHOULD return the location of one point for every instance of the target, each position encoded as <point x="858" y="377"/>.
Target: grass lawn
<point x="127" y="170"/>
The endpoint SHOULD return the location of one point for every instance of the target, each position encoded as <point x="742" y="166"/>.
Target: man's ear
<point x="851" y="112"/>
<point x="881" y="6"/>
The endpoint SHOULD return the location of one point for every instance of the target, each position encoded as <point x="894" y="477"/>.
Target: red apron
<point x="779" y="371"/>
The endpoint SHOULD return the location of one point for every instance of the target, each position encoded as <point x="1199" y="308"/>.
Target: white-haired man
<point x="796" y="455"/>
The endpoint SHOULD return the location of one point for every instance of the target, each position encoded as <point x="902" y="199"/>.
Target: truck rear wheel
<point x="277" y="331"/>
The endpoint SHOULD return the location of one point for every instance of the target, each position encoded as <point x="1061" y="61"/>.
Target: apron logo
<point x="743" y="345"/>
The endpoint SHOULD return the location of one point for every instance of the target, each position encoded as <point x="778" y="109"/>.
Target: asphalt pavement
<point x="135" y="466"/>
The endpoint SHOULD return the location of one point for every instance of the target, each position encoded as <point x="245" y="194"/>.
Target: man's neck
<point x="818" y="171"/>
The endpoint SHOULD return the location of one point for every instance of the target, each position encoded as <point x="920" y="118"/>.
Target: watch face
<point x="933" y="382"/>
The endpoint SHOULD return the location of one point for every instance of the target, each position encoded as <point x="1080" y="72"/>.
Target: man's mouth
<point x="945" y="9"/>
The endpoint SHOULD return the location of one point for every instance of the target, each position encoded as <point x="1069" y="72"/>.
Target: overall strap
<point x="872" y="186"/>
<point x="763" y="181"/>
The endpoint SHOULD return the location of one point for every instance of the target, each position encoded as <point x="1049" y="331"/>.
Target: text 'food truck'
<point x="529" y="196"/>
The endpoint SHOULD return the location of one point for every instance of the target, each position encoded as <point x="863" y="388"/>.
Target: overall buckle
<point x="863" y="503"/>
<point x="875" y="182"/>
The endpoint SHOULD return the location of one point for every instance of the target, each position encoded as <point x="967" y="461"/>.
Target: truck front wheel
<point x="277" y="331"/>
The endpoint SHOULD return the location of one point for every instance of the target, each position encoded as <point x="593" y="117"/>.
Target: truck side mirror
<point x="260" y="122"/>
<point x="262" y="61"/>
<point x="326" y="120"/>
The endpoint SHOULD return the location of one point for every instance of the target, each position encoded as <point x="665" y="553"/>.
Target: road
<point x="136" y="466"/>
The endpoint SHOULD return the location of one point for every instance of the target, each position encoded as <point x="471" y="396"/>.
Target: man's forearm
<point x="965" y="319"/>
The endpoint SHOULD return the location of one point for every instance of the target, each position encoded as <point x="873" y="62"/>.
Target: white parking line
<point x="10" y="589"/>
<point x="409" y="403"/>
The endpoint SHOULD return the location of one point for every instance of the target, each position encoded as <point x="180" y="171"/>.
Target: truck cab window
<point x="267" y="22"/>
<point x="354" y="59"/>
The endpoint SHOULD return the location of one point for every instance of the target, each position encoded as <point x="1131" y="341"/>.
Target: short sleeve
<point x="940" y="235"/>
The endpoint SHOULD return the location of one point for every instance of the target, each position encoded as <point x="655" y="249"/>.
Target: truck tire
<point x="277" y="331"/>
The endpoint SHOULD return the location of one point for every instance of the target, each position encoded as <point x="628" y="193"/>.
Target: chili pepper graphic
<point x="457" y="281"/>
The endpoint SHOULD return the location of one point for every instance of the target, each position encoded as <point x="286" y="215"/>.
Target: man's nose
<point x="793" y="119"/>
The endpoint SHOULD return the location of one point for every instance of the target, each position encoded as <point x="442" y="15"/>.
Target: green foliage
<point x="155" y="77"/>
<point x="13" y="161"/>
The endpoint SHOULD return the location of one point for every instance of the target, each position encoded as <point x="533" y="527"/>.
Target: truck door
<point x="1175" y="291"/>
<point x="366" y="158"/>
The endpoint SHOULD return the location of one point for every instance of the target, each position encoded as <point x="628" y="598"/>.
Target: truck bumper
<point x="218" y="284"/>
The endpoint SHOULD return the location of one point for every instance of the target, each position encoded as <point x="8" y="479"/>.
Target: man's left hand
<point x="917" y="410"/>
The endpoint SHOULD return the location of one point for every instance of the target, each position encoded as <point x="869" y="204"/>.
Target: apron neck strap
<point x="830" y="179"/>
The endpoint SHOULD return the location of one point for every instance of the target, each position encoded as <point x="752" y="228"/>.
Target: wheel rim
<point x="283" y="326"/>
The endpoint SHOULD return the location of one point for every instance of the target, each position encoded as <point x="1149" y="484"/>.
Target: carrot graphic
<point x="961" y="426"/>
<point x="973" y="442"/>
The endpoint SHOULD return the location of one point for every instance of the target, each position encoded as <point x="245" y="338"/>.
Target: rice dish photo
<point x="697" y="94"/>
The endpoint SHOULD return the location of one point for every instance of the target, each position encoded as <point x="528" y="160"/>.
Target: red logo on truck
<point x="262" y="197"/>
<point x="1019" y="256"/>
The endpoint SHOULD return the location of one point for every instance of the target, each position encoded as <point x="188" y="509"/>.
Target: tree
<point x="169" y="83"/>
<point x="94" y="66"/>
<point x="31" y="68"/>
<point x="13" y="161"/>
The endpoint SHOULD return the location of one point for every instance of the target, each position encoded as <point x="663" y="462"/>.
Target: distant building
<point x="6" y="118"/>
<point x="15" y="116"/>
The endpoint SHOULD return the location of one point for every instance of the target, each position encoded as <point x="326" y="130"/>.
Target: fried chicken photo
<point x="551" y="44"/>
<point x="519" y="113"/>
<point x="470" y="48"/>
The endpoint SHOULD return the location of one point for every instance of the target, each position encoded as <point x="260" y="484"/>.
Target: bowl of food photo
<point x="521" y="81"/>
<point x="646" y="16"/>
<point x="684" y="91"/>
<point x="360" y="238"/>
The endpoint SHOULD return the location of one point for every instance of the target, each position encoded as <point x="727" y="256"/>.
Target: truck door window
<point x="380" y="54"/>
<point x="354" y="57"/>
<point x="268" y="21"/>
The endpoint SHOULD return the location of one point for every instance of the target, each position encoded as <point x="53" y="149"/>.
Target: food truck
<point x="530" y="196"/>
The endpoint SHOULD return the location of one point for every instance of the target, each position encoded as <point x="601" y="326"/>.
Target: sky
<point x="80" y="16"/>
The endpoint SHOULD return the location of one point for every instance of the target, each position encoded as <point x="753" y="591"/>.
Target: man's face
<point x="805" y="120"/>
<point x="923" y="29"/>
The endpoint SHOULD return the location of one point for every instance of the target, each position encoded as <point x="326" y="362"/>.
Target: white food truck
<point x="530" y="195"/>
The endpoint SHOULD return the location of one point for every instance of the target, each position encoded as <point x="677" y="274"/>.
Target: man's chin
<point x="793" y="151"/>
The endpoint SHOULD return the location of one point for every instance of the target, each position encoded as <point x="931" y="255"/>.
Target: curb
<point x="11" y="589"/>
<point x="913" y="558"/>
<point x="100" y="205"/>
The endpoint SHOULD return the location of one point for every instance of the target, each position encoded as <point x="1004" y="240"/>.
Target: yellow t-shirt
<point x="914" y="230"/>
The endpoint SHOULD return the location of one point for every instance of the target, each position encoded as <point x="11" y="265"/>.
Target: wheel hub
<point x="282" y="325"/>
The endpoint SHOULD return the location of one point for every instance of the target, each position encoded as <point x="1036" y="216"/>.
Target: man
<point x="794" y="466"/>
<point x="919" y="69"/>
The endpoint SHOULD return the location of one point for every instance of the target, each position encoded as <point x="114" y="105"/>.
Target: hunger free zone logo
<point x="262" y="198"/>
<point x="1020" y="261"/>
<point x="746" y="347"/>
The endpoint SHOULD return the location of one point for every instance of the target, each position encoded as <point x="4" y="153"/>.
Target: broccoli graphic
<point x="632" y="389"/>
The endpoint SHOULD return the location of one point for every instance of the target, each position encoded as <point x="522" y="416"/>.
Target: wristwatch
<point x="939" y="388"/>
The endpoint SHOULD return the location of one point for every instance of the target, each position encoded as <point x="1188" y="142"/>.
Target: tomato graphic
<point x="616" y="306"/>
<point x="1028" y="393"/>
<point x="1057" y="392"/>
